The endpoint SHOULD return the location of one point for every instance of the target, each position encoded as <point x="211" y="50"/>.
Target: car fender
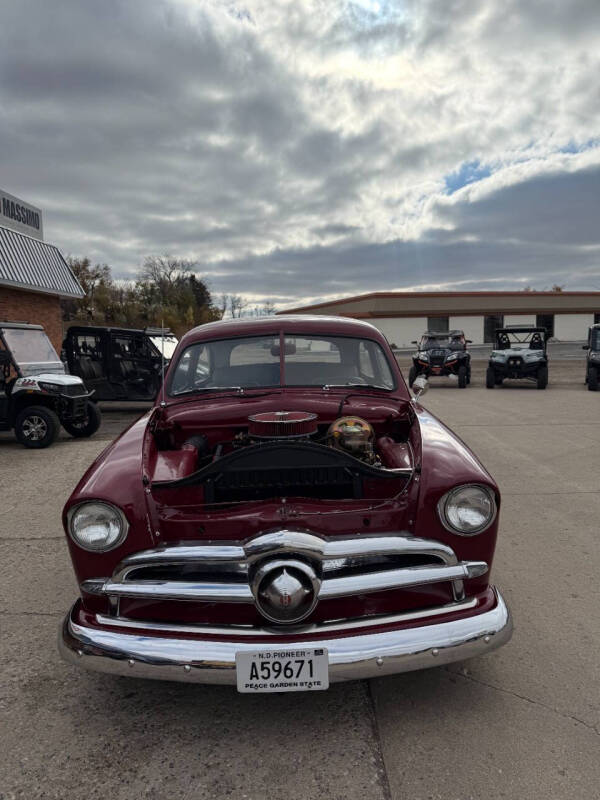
<point x="446" y="462"/>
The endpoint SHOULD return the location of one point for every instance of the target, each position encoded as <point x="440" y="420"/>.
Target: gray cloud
<point x="300" y="151"/>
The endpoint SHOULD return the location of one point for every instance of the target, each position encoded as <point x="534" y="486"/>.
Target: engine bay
<point x="285" y="453"/>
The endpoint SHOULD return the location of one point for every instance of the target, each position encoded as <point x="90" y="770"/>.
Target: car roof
<point x="289" y="323"/>
<point x="25" y="325"/>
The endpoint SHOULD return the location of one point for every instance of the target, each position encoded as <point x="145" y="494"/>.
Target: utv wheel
<point x="490" y="378"/>
<point x="499" y="381"/>
<point x="87" y="426"/>
<point x="412" y="374"/>
<point x="37" y="427"/>
<point x="542" y="377"/>
<point x="592" y="379"/>
<point x="462" y="377"/>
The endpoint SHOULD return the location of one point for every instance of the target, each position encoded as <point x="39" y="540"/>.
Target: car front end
<point x="283" y="538"/>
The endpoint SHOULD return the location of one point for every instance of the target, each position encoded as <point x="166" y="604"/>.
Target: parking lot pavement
<point x="68" y="734"/>
<point x="522" y="722"/>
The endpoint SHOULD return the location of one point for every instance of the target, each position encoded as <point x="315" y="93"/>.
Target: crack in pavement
<point x="384" y="780"/>
<point x="31" y="538"/>
<point x="5" y="613"/>
<point x="572" y="717"/>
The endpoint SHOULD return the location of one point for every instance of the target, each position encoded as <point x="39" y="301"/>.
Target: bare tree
<point x="164" y="271"/>
<point x="222" y="304"/>
<point x="237" y="304"/>
<point x="268" y="308"/>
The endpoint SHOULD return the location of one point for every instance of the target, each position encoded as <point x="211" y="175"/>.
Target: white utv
<point x="36" y="394"/>
<point x="519" y="352"/>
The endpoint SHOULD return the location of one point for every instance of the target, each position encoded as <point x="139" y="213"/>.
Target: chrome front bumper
<point x="351" y="657"/>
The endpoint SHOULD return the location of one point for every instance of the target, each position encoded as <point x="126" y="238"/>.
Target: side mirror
<point x="421" y="386"/>
<point x="584" y="347"/>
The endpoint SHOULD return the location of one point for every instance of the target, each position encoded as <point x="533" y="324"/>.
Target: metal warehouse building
<point x="33" y="274"/>
<point x="403" y="316"/>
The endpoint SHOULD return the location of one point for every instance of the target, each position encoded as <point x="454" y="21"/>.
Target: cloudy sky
<point x="315" y="148"/>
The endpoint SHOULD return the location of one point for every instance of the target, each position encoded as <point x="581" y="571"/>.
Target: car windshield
<point x="167" y="343"/>
<point x="30" y="347"/>
<point x="519" y="340"/>
<point x="257" y="362"/>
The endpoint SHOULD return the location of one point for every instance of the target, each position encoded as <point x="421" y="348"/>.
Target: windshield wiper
<point x="355" y="386"/>
<point x="202" y="389"/>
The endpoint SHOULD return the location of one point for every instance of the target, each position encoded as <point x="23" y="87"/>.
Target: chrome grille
<point x="224" y="572"/>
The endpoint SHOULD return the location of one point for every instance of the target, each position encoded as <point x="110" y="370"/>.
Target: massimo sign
<point x="20" y="216"/>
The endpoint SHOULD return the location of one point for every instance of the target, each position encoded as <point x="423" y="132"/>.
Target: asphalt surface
<point x="522" y="722"/>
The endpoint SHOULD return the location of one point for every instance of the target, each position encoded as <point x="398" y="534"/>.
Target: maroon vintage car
<point x="285" y="516"/>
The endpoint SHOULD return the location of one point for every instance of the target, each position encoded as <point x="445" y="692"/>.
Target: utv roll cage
<point x="535" y="338"/>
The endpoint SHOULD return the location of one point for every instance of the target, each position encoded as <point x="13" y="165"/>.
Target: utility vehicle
<point x="36" y="396"/>
<point x="119" y="363"/>
<point x="592" y="370"/>
<point x="519" y="352"/>
<point x="442" y="354"/>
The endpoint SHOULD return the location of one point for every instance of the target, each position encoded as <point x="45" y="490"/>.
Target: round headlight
<point x="467" y="510"/>
<point x="97" y="526"/>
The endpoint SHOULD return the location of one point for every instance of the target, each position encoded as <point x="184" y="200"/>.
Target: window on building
<point x="545" y="321"/>
<point x="490" y="323"/>
<point x="438" y="324"/>
<point x="597" y="318"/>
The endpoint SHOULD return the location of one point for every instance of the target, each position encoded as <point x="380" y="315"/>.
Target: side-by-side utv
<point x="519" y="352"/>
<point x="592" y="369"/>
<point x="36" y="396"/>
<point x="442" y="354"/>
<point x="119" y="363"/>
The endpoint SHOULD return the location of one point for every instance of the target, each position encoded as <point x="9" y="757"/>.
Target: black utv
<point x="592" y="372"/>
<point x="442" y="354"/>
<point x="36" y="396"/>
<point x="519" y="352"/>
<point x="119" y="363"/>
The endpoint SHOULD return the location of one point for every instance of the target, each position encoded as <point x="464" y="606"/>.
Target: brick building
<point x="33" y="278"/>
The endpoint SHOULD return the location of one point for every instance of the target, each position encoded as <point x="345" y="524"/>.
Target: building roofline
<point x="498" y="294"/>
<point x="27" y="287"/>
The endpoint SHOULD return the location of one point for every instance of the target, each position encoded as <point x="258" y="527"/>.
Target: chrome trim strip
<point x="290" y="630"/>
<point x="168" y="555"/>
<point x="286" y="542"/>
<point x="351" y="657"/>
<point x="194" y="591"/>
<point x="399" y="578"/>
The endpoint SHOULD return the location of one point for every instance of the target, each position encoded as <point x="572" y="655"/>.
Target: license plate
<point x="296" y="670"/>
